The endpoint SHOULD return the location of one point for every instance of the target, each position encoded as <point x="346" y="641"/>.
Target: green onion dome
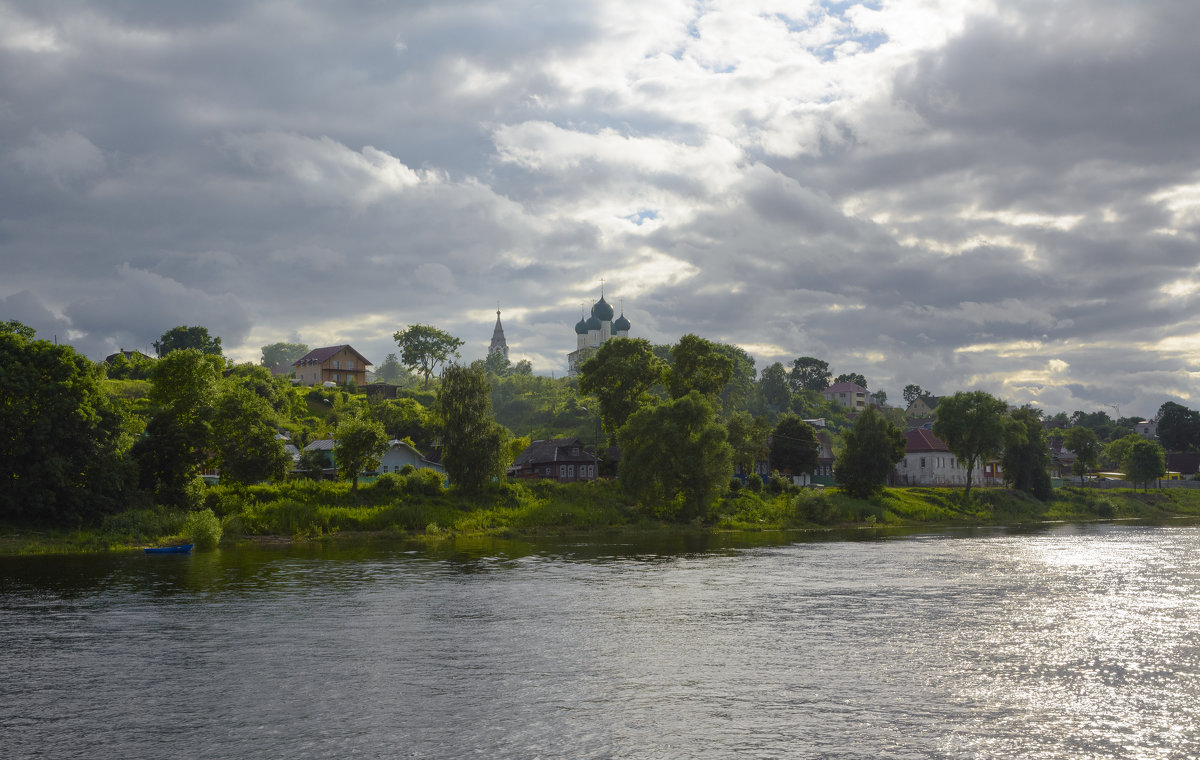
<point x="621" y="325"/>
<point x="602" y="311"/>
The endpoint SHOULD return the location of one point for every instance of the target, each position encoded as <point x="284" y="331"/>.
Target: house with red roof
<point x="929" y="462"/>
<point x="332" y="364"/>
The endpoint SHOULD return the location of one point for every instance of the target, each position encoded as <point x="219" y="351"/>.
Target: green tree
<point x="1116" y="453"/>
<point x="1178" y="427"/>
<point x="697" y="365"/>
<point x="971" y="424"/>
<point x="675" y="457"/>
<point x="523" y="367"/>
<point x="276" y="391"/>
<point x="248" y="447"/>
<point x="405" y="418"/>
<point x="472" y="442"/>
<point x="739" y="389"/>
<point x="809" y="373"/>
<point x="1086" y="447"/>
<point x="178" y="338"/>
<point x="496" y="363"/>
<point x="282" y="354"/>
<point x="391" y="371"/>
<point x="794" y="447"/>
<point x="183" y="394"/>
<point x="620" y="375"/>
<point x="747" y="436"/>
<point x="1026" y="457"/>
<point x="124" y="367"/>
<point x="424" y="347"/>
<point x="869" y="454"/>
<point x="851" y="377"/>
<point x="773" y="384"/>
<point x="912" y="392"/>
<point x="358" y="444"/>
<point x="1144" y="462"/>
<point x="61" y="438"/>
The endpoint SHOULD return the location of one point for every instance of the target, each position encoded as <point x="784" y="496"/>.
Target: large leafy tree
<point x="282" y="354"/>
<point x="391" y="371"/>
<point x="1026" y="456"/>
<point x="674" y="457"/>
<point x="697" y="365"/>
<point x="738" y="390"/>
<point x="870" y="452"/>
<point x="773" y="384"/>
<point x="851" y="377"/>
<point x="809" y="374"/>
<point x="178" y="338"/>
<point x="472" y="441"/>
<point x="1144" y="461"/>
<point x="747" y="436"/>
<point x="912" y="392"/>
<point x="183" y="394"/>
<point x="247" y="445"/>
<point x="424" y="347"/>
<point x="971" y="424"/>
<point x="61" y="440"/>
<point x="793" y="446"/>
<point x="359" y="444"/>
<point x="620" y="375"/>
<point x="1086" y="447"/>
<point x="1178" y="427"/>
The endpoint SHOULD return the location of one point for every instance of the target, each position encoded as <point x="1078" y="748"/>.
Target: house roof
<point x="318" y="355"/>
<point x="324" y="444"/>
<point x="553" y="451"/>
<point x="845" y="387"/>
<point x="921" y="439"/>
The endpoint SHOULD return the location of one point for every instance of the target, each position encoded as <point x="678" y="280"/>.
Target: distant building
<point x="332" y="364"/>
<point x="850" y="395"/>
<point x="562" y="459"/>
<point x="498" y="345"/>
<point x="594" y="331"/>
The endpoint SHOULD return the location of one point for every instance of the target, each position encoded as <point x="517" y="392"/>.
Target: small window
<point x="570" y="471"/>
<point x="922" y="461"/>
<point x="350" y="364"/>
<point x="337" y="364"/>
<point x="562" y="471"/>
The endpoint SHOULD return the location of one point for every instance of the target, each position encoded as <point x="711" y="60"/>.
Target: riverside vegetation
<point x="107" y="456"/>
<point x="415" y="507"/>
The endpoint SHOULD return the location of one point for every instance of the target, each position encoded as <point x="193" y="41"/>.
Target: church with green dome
<point x="591" y="332"/>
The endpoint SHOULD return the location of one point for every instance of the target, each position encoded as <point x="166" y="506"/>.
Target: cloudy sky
<point x="956" y="193"/>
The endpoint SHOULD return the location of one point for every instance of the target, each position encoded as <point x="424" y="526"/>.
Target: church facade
<point x="592" y="332"/>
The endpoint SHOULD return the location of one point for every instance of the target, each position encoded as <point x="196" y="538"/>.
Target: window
<point x="337" y="364"/>
<point x="562" y="471"/>
<point x="337" y="378"/>
<point x="350" y="364"/>
<point x="922" y="461"/>
<point x="570" y="471"/>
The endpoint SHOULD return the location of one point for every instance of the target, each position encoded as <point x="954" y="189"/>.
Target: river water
<point x="1060" y="642"/>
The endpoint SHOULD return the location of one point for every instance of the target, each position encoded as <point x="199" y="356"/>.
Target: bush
<point x="755" y="483"/>
<point x="203" y="529"/>
<point x="735" y="484"/>
<point x="423" y="482"/>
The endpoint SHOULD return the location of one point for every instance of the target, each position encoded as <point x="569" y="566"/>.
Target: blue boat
<point x="180" y="549"/>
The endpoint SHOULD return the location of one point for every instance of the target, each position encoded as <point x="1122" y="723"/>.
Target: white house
<point x="400" y="453"/>
<point x="929" y="462"/>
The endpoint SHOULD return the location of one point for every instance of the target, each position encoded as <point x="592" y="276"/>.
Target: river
<point x="1057" y="642"/>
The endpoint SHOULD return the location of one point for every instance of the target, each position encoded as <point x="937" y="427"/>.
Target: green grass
<point x="416" y="507"/>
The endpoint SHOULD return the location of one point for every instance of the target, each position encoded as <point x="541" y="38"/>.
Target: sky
<point x="955" y="193"/>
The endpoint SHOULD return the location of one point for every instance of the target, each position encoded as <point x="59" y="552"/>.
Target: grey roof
<point x="324" y="444"/>
<point x="553" y="451"/>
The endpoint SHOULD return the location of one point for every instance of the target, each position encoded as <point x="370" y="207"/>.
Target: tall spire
<point x="499" y="345"/>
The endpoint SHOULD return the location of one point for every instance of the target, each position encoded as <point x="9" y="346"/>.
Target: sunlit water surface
<point x="1066" y="642"/>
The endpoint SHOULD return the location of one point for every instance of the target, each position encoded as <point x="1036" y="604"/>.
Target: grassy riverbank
<point x="414" y="508"/>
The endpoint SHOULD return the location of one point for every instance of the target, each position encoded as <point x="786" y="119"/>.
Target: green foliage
<point x="276" y="391"/>
<point x="1026" y="458"/>
<point x="675" y="457"/>
<point x="851" y="377"/>
<point x="425" y="347"/>
<point x="620" y="375"/>
<point x="773" y="385"/>
<point x="1178" y="427"/>
<point x="697" y="365"/>
<point x="182" y="337"/>
<point x="203" y="529"/>
<point x="912" y="392"/>
<point x="870" y="453"/>
<point x="794" y="447"/>
<point x="405" y="418"/>
<point x="754" y="482"/>
<point x="122" y="367"/>
<point x="972" y="425"/>
<point x="1086" y="446"/>
<point x="1144" y="462"/>
<point x="282" y="354"/>
<point x="748" y="438"/>
<point x="472" y="442"/>
<point x="809" y="373"/>
<point x="61" y="437"/>
<point x="248" y="447"/>
<point x="392" y="371"/>
<point x="359" y="444"/>
<point x="183" y="392"/>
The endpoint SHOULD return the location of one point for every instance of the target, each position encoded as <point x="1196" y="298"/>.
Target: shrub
<point x="755" y="483"/>
<point x="735" y="484"/>
<point x="423" y="482"/>
<point x="203" y="529"/>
